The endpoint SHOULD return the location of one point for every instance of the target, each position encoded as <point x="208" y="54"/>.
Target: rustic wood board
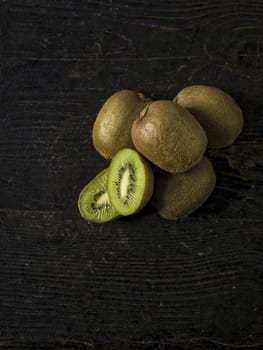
<point x="140" y="282"/>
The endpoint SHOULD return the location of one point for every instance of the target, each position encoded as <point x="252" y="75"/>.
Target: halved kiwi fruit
<point x="94" y="202"/>
<point x="216" y="111"/>
<point x="178" y="195"/>
<point x="112" y="128"/>
<point x="130" y="181"/>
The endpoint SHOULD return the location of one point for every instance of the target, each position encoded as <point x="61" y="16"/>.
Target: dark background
<point x="140" y="282"/>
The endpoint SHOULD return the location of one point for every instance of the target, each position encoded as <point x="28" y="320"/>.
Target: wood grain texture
<point x="64" y="280"/>
<point x="140" y="282"/>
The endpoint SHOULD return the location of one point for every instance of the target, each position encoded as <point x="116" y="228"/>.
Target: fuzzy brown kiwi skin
<point x="169" y="136"/>
<point x="112" y="128"/>
<point x="178" y="195"/>
<point x="216" y="111"/>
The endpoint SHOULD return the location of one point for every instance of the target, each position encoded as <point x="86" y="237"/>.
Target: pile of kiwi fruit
<point x="157" y="152"/>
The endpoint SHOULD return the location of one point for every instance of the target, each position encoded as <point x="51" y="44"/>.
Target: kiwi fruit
<point x="169" y="136"/>
<point x="112" y="128"/>
<point x="216" y="111"/>
<point x="94" y="202"/>
<point x="178" y="195"/>
<point x="130" y="181"/>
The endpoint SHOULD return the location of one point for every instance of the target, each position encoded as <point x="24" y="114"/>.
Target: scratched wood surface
<point x="140" y="282"/>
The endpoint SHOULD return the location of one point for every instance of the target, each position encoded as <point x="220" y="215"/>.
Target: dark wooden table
<point x="140" y="282"/>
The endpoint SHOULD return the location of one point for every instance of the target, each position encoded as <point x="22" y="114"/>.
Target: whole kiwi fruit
<point x="216" y="111"/>
<point x="112" y="128"/>
<point x="169" y="136"/>
<point x="178" y="195"/>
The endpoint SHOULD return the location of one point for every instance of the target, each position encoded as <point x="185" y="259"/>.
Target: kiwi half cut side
<point x="130" y="181"/>
<point x="94" y="203"/>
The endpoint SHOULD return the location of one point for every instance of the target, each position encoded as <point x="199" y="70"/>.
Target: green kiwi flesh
<point x="178" y="195"/>
<point x="112" y="128"/>
<point x="216" y="111"/>
<point x="94" y="203"/>
<point x="130" y="181"/>
<point x="169" y="136"/>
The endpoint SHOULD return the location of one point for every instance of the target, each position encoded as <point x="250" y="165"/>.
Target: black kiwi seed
<point x="96" y="197"/>
<point x="98" y="194"/>
<point x="132" y="178"/>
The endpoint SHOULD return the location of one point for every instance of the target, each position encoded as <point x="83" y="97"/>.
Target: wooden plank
<point x="64" y="280"/>
<point x="140" y="282"/>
